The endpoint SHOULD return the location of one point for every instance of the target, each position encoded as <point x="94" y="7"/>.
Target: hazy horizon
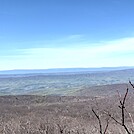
<point x="107" y="67"/>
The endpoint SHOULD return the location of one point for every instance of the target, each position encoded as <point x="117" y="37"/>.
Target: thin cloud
<point x="111" y="53"/>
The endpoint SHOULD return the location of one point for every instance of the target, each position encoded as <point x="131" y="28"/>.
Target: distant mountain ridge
<point x="62" y="70"/>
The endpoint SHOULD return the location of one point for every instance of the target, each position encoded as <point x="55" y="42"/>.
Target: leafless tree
<point x="123" y="109"/>
<point x="100" y="123"/>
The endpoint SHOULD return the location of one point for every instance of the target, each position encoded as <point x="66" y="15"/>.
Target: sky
<point x="42" y="34"/>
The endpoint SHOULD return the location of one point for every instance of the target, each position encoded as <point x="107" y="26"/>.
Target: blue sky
<point x="40" y="34"/>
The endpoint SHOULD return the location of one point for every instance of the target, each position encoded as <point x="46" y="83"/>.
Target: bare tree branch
<point x="97" y="116"/>
<point x="122" y="107"/>
<point x="114" y="119"/>
<point x="106" y="126"/>
<point x="131" y="84"/>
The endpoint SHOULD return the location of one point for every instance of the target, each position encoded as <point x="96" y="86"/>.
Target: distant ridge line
<point x="62" y="70"/>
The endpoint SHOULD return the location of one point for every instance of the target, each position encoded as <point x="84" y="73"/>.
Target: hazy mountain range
<point x="62" y="70"/>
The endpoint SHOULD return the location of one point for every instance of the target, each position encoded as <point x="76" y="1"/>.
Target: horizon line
<point x="67" y="68"/>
